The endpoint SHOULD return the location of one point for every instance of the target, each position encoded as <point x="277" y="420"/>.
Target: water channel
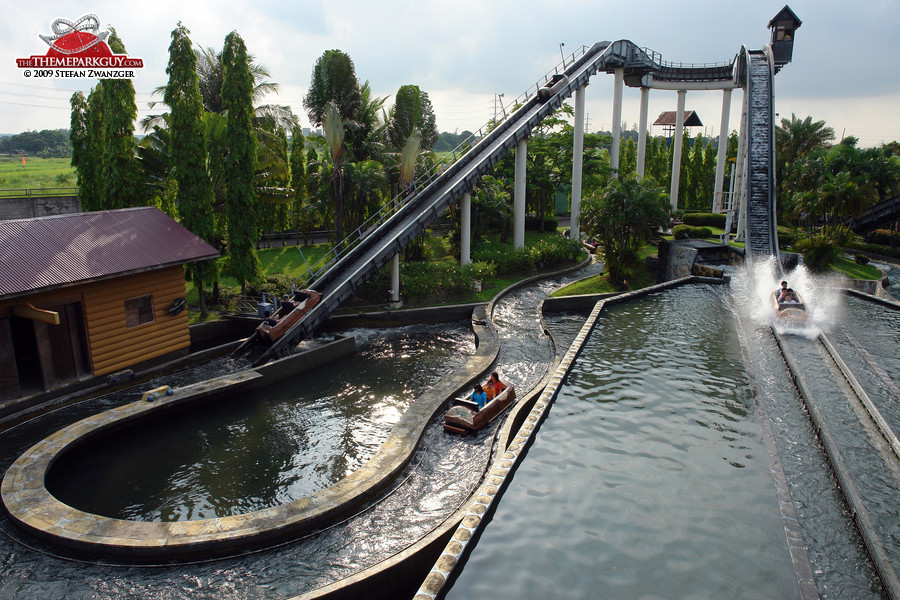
<point x="650" y="477"/>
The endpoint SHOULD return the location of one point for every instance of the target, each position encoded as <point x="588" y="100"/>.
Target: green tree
<point x="623" y="216"/>
<point x="240" y="163"/>
<point x="658" y="166"/>
<point x="684" y="177"/>
<point x="708" y="177"/>
<point x="364" y="137"/>
<point x="795" y="140"/>
<point x="366" y="187"/>
<point x="333" y="80"/>
<point x="411" y="111"/>
<point x="334" y="136"/>
<point x="882" y="169"/>
<point x="188" y="156"/>
<point x="693" y="171"/>
<point x="120" y="170"/>
<point x="628" y="159"/>
<point x="85" y="155"/>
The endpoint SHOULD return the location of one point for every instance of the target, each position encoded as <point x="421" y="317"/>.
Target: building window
<point x="139" y="311"/>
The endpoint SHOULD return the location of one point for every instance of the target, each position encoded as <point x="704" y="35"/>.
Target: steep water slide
<point x="372" y="246"/>
<point x="397" y="225"/>
<point x="755" y="70"/>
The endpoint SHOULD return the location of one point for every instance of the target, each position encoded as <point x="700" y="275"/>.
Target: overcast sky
<point x="463" y="52"/>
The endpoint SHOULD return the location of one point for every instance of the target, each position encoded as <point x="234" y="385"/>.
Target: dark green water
<point x="649" y="478"/>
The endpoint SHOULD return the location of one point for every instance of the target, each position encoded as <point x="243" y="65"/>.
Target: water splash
<point x="821" y="294"/>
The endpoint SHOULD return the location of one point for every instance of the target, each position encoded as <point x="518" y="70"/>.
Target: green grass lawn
<point x="853" y="270"/>
<point x="38" y="173"/>
<point x="601" y="284"/>
<point x="286" y="260"/>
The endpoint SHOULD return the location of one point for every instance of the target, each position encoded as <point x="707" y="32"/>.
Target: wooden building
<point x="88" y="294"/>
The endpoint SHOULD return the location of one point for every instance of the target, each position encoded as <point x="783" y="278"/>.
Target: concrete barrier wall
<point x="28" y="207"/>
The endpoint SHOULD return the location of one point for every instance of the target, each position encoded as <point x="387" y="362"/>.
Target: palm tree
<point x="333" y="126"/>
<point x="796" y="139"/>
<point x="365" y="127"/>
<point x="623" y="216"/>
<point x="408" y="157"/>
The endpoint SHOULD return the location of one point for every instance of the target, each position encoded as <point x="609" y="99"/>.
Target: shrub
<point x="705" y="219"/>
<point x="548" y="252"/>
<point x="876" y="249"/>
<point x="679" y="231"/>
<point x="884" y="237"/>
<point x="427" y="281"/>
<point x="532" y="222"/>
<point x="819" y="252"/>
<point x="507" y="261"/>
<point x="786" y="238"/>
<point x="276" y="284"/>
<point x="861" y="259"/>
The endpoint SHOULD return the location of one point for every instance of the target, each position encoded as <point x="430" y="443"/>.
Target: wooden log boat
<point x="790" y="312"/>
<point x="464" y="415"/>
<point x="287" y="316"/>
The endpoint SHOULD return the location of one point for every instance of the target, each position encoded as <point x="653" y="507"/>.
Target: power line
<point x="52" y="89"/>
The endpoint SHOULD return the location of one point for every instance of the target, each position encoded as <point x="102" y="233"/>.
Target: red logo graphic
<point x="80" y="45"/>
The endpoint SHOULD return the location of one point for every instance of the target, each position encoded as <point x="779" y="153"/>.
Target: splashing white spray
<point x="822" y="296"/>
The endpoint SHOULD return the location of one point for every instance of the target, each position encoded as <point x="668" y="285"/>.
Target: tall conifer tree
<point x="84" y="160"/>
<point x="121" y="173"/>
<point x="240" y="164"/>
<point x="188" y="156"/>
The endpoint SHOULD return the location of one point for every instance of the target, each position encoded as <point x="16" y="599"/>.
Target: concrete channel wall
<point x="398" y="577"/>
<point x="530" y="414"/>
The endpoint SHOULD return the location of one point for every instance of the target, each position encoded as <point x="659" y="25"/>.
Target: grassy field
<point x="37" y="173"/>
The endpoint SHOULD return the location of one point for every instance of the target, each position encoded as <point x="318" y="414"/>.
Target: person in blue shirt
<point x="479" y="396"/>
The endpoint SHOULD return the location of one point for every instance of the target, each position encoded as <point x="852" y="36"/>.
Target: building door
<point x="48" y="355"/>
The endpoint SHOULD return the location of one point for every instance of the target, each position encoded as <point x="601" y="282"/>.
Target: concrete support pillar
<point x="718" y="204"/>
<point x="676" y="150"/>
<point x="519" y="198"/>
<point x="616" y="123"/>
<point x="395" y="282"/>
<point x="642" y="131"/>
<point x="465" y="229"/>
<point x="577" y="164"/>
<point x="739" y="195"/>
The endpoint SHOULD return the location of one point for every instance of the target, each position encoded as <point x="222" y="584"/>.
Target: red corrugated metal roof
<point x="63" y="250"/>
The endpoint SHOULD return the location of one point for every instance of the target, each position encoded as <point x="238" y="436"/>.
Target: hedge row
<point x="884" y="237"/>
<point x="893" y="251"/>
<point x="532" y="222"/>
<point x="705" y="219"/>
<point x="680" y="231"/>
<point x="548" y="252"/>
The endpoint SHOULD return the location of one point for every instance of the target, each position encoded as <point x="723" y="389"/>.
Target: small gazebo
<point x="667" y="120"/>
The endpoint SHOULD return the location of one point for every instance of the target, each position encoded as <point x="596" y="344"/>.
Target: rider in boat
<point x="494" y="386"/>
<point x="479" y="396"/>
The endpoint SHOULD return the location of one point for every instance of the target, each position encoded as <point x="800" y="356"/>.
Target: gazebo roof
<point x="668" y="118"/>
<point x="63" y="250"/>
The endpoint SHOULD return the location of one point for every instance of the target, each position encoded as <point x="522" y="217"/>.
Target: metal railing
<point x="38" y="192"/>
<point x="656" y="58"/>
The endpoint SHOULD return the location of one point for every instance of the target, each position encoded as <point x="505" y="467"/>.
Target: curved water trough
<point x="29" y="503"/>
